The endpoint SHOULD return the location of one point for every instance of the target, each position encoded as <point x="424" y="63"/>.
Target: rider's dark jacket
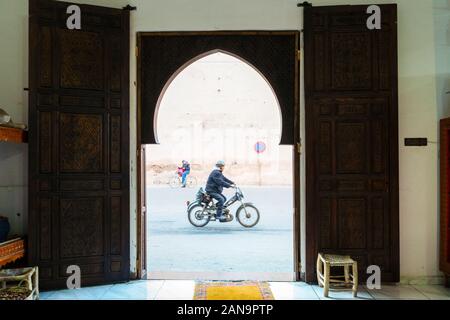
<point x="217" y="181"/>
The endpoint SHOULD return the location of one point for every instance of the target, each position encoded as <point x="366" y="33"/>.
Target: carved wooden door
<point x="444" y="262"/>
<point x="352" y="137"/>
<point x="79" y="144"/>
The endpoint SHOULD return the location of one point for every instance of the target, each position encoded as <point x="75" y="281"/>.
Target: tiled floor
<point x="184" y="290"/>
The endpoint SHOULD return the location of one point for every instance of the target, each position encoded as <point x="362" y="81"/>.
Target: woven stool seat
<point x="338" y="261"/>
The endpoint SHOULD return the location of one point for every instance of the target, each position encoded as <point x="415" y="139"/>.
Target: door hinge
<point x="299" y="147"/>
<point x="298" y="54"/>
<point x="299" y="265"/>
<point x="143" y="209"/>
<point x="137" y="51"/>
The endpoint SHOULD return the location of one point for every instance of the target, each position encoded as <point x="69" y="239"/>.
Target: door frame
<point x="140" y="148"/>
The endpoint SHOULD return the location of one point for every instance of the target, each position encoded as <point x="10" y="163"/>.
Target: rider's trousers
<point x="220" y="202"/>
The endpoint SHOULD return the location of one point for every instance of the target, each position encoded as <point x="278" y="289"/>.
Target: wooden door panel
<point x="351" y="133"/>
<point x="444" y="257"/>
<point x="79" y="150"/>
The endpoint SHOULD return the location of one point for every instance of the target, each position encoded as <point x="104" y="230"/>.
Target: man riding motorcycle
<point x="214" y="187"/>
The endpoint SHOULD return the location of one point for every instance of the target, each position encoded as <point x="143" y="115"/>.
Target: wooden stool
<point x="325" y="280"/>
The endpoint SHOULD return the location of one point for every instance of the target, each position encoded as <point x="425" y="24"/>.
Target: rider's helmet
<point x="220" y="163"/>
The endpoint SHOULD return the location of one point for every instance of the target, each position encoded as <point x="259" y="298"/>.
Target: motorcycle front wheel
<point x="197" y="217"/>
<point x="248" y="215"/>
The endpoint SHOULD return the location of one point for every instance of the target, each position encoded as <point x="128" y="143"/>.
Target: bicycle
<point x="176" y="181"/>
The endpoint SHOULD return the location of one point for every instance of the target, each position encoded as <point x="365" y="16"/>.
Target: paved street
<point x="174" y="245"/>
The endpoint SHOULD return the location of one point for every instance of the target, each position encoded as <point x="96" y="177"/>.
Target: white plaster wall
<point x="442" y="42"/>
<point x="13" y="99"/>
<point x="418" y="108"/>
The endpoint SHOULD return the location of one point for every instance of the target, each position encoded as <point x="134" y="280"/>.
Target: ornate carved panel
<point x="45" y="57"/>
<point x="45" y="184"/>
<point x="384" y="39"/>
<point x="116" y="184"/>
<point x="81" y="59"/>
<point x="45" y="224"/>
<point x="80" y="101"/>
<point x="116" y="64"/>
<point x="351" y="64"/>
<point x="45" y="273"/>
<point x="352" y="223"/>
<point x="45" y="100"/>
<point x="86" y="269"/>
<point x="116" y="232"/>
<point x="319" y="62"/>
<point x="81" y="185"/>
<point x="45" y="142"/>
<point x="80" y="142"/>
<point x="116" y="266"/>
<point x="325" y="222"/>
<point x="378" y="146"/>
<point x="352" y="185"/>
<point x="351" y="147"/>
<point x="378" y="231"/>
<point x="81" y="223"/>
<point x="325" y="161"/>
<point x="115" y="144"/>
<point x="352" y="109"/>
<point x="116" y="103"/>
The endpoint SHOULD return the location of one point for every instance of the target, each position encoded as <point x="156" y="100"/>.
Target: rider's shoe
<point x="222" y="219"/>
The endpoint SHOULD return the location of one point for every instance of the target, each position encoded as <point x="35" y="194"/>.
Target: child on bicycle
<point x="184" y="171"/>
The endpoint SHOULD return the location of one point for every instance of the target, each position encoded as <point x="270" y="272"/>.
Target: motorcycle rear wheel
<point x="196" y="216"/>
<point x="241" y="215"/>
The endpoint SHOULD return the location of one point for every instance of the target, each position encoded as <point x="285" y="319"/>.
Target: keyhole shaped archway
<point x="219" y="106"/>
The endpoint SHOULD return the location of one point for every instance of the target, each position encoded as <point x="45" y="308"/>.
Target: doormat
<point x="245" y="290"/>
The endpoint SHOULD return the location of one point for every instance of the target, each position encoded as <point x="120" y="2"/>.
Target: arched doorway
<point x="219" y="106"/>
<point x="161" y="56"/>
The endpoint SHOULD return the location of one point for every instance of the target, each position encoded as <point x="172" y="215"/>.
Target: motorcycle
<point x="203" y="210"/>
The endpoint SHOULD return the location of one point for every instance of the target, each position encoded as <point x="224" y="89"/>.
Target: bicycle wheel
<point x="174" y="182"/>
<point x="191" y="182"/>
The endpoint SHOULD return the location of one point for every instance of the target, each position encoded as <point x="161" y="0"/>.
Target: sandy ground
<point x="174" y="245"/>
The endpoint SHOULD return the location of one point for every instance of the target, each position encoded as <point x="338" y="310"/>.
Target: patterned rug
<point x="245" y="290"/>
